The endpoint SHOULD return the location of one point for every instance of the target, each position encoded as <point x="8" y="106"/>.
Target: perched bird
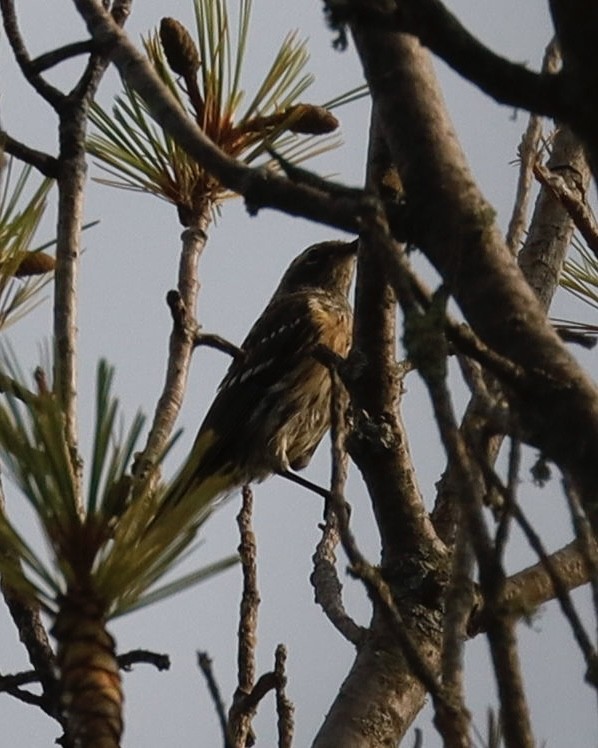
<point x="273" y="406"/>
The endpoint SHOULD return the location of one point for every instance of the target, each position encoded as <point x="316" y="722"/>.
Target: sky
<point x="128" y="266"/>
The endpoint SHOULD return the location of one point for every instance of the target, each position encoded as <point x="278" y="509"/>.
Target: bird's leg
<point x="294" y="478"/>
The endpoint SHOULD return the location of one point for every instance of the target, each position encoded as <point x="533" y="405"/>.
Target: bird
<point x="272" y="408"/>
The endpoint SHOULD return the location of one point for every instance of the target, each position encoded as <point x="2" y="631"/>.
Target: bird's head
<point x="326" y="266"/>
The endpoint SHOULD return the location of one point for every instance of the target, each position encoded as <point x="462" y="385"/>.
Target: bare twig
<point x="11" y="684"/>
<point x="205" y="663"/>
<point x="558" y="583"/>
<point x="527" y="152"/>
<point x="43" y="162"/>
<point x="560" y="589"/>
<point x="327" y="585"/>
<point x="16" y="680"/>
<point x="585" y="537"/>
<point x="251" y="598"/>
<point x="72" y="110"/>
<point x="458" y="603"/>
<point x="248" y="692"/>
<point x="51" y="94"/>
<point x="182" y="303"/>
<point x="544" y="250"/>
<point x="56" y="56"/>
<point x="427" y="347"/>
<point x="529" y="588"/>
<point x="324" y="578"/>
<point x="32" y="633"/>
<point x="219" y="343"/>
<point x="577" y="208"/>
<point x="284" y="707"/>
<point x="137" y="656"/>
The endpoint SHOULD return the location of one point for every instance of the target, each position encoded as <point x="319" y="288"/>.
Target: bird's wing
<point x="283" y="336"/>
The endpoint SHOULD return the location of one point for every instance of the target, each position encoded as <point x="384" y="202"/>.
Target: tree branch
<point x="56" y="56"/>
<point x="450" y="221"/>
<point x="43" y="162"/>
<point x="205" y="663"/>
<point x="439" y="30"/>
<point x="248" y="693"/>
<point x="49" y="93"/>
<point x="182" y="303"/>
<point x="136" y="656"/>
<point x="529" y="588"/>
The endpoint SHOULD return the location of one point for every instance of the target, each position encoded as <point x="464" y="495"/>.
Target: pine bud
<point x="179" y="48"/>
<point x="35" y="263"/>
<point x="310" y="119"/>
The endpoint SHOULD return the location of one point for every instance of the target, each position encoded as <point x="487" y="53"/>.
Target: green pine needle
<point x="120" y="549"/>
<point x="21" y="211"/>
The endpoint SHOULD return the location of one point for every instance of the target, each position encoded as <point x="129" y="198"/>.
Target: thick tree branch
<point x="378" y="442"/>
<point x="382" y="693"/>
<point x="576" y="26"/>
<point x="525" y="591"/>
<point x="453" y="225"/>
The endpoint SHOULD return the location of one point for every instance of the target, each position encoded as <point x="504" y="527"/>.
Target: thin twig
<point x="284" y="707"/>
<point x="579" y="210"/>
<point x="427" y="346"/>
<point x="529" y="588"/>
<point x="585" y="536"/>
<point x="51" y="94"/>
<point x="32" y="633"/>
<point x="527" y="152"/>
<point x="327" y="585"/>
<point x="458" y="603"/>
<point x="43" y="162"/>
<point x="56" y="56"/>
<point x="248" y="693"/>
<point x="509" y="498"/>
<point x="205" y="664"/>
<point x="182" y="303"/>
<point x="137" y="656"/>
<point x="219" y="343"/>
<point x="324" y="578"/>
<point x="250" y="597"/>
<point x="560" y="588"/>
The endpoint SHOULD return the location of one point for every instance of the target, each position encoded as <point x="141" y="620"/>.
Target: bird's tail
<point x="202" y="474"/>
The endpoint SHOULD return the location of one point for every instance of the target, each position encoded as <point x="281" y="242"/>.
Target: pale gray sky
<point x="129" y="265"/>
